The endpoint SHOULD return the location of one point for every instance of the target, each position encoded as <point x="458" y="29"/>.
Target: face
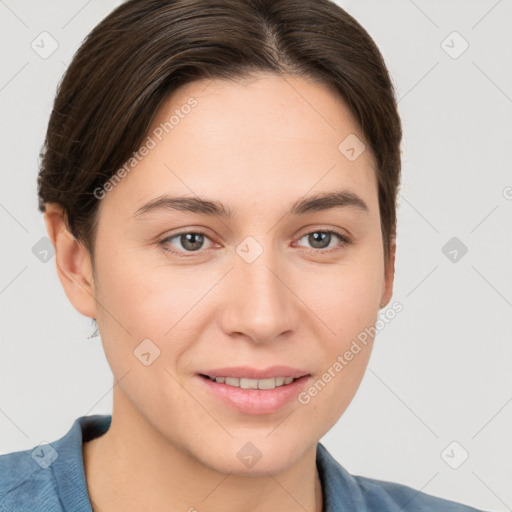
<point x="182" y="291"/>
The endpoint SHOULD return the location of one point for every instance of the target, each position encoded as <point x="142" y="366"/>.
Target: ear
<point x="73" y="262"/>
<point x="389" y="275"/>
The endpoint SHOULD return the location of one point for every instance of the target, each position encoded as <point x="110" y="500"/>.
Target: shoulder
<point x="24" y="482"/>
<point x="401" y="497"/>
<point x="50" y="476"/>
<point x="346" y="492"/>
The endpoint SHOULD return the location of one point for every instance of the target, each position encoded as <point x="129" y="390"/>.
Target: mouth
<point x="254" y="396"/>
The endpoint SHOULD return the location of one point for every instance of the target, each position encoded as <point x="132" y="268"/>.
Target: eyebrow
<point x="318" y="202"/>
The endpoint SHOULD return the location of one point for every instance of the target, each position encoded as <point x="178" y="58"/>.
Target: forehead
<point x="252" y="138"/>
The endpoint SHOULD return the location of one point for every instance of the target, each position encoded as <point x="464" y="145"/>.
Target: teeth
<point x="254" y="383"/>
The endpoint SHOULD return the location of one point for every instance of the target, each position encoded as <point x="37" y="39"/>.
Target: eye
<point x="190" y="242"/>
<point x="320" y="240"/>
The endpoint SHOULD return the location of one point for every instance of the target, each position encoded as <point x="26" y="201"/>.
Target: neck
<point x="133" y="467"/>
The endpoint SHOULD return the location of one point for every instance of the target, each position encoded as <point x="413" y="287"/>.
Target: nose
<point x="260" y="303"/>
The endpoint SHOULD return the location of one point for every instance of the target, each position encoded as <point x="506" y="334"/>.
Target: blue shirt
<point x="51" y="478"/>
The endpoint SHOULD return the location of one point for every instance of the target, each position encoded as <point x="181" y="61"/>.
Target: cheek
<point x="345" y="297"/>
<point x="137" y="292"/>
<point x="148" y="301"/>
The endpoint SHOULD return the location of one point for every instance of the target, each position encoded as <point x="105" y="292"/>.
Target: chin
<point x="254" y="455"/>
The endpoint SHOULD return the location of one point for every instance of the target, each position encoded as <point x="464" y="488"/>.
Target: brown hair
<point x="145" y="49"/>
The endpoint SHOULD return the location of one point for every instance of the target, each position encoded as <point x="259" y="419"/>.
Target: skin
<point x="257" y="146"/>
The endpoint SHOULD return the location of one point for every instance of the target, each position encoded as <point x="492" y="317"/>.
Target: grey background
<point x="440" y="371"/>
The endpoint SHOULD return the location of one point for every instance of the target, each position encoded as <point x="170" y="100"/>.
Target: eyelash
<point x="344" y="241"/>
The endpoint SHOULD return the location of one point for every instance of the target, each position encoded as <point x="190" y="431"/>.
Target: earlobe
<point x="389" y="275"/>
<point x="72" y="261"/>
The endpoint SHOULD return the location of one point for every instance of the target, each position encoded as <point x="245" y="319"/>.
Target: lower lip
<point x="256" y="401"/>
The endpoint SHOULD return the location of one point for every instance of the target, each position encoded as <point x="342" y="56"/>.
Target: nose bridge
<point x="261" y="305"/>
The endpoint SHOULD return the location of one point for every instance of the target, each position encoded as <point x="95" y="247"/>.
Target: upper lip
<point x="255" y="373"/>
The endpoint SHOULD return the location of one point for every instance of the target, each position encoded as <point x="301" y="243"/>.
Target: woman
<point x="219" y="181"/>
